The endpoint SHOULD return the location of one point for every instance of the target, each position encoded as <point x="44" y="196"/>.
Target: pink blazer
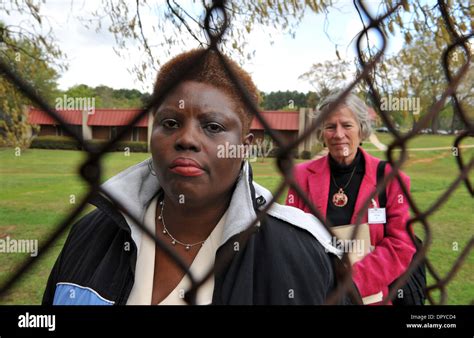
<point x="394" y="249"/>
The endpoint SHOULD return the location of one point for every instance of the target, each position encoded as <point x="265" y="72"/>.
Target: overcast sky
<point x="92" y="60"/>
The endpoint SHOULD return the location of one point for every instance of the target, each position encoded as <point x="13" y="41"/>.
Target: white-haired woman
<point x="340" y="183"/>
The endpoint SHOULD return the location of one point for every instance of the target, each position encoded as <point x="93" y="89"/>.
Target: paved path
<point x="375" y="141"/>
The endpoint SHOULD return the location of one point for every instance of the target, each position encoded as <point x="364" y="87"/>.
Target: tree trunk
<point x="414" y="122"/>
<point x="453" y="121"/>
<point x="435" y="124"/>
<point x="435" y="119"/>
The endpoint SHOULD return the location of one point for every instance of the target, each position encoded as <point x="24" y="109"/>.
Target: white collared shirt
<point x="142" y="290"/>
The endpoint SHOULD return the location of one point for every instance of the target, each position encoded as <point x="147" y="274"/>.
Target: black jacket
<point x="276" y="262"/>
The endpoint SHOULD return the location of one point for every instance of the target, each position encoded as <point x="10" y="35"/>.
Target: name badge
<point x="377" y="216"/>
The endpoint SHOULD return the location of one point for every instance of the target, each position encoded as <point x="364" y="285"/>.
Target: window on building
<point x="113" y="132"/>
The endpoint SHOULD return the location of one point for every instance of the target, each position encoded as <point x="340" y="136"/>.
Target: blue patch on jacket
<point x="73" y="294"/>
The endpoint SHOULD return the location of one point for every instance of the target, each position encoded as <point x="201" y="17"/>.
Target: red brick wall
<point x="100" y="133"/>
<point x="286" y="135"/>
<point x="257" y="135"/>
<point x="142" y="134"/>
<point x="47" y="130"/>
<point x="104" y="133"/>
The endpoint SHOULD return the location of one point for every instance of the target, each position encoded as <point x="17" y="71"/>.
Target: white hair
<point x="354" y="104"/>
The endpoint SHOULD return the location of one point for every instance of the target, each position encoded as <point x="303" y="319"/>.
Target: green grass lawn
<point x="424" y="140"/>
<point x="38" y="188"/>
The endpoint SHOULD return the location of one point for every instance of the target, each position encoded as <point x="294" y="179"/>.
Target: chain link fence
<point x="91" y="169"/>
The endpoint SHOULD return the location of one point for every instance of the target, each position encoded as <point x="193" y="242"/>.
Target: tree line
<point x="107" y="97"/>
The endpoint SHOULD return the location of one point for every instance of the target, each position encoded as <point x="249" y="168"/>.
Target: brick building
<point x="104" y="124"/>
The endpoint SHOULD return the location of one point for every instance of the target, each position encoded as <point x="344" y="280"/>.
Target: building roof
<point x="278" y="120"/>
<point x="37" y="116"/>
<point x="100" y="117"/>
<point x="116" y="117"/>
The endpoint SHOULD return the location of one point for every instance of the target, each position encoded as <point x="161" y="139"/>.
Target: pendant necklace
<point x="339" y="199"/>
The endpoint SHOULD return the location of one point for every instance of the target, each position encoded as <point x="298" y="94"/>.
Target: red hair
<point x="205" y="66"/>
